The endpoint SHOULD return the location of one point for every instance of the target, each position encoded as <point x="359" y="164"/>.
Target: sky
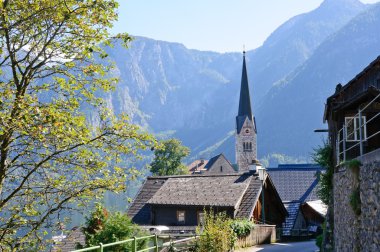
<point x="214" y="25"/>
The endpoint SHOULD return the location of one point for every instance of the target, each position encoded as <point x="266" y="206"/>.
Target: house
<point x="353" y="117"/>
<point x="197" y="166"/>
<point x="353" y="106"/>
<point x="216" y="165"/>
<point x="297" y="185"/>
<point x="179" y="201"/>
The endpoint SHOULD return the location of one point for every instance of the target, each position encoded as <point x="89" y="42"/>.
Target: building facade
<point x="245" y="136"/>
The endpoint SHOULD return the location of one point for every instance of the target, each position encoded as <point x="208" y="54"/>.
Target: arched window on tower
<point x="250" y="146"/>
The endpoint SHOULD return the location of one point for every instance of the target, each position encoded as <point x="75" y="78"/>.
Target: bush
<point x="355" y="201"/>
<point x="318" y="241"/>
<point x="242" y="227"/>
<point x="324" y="157"/>
<point x="104" y="227"/>
<point x="216" y="234"/>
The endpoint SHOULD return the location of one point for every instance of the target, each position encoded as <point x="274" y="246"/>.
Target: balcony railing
<point x="356" y="134"/>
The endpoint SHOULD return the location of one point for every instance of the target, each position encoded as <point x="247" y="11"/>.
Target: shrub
<point x="355" y="201"/>
<point x="324" y="157"/>
<point x="242" y="227"/>
<point x="105" y="227"/>
<point x="318" y="241"/>
<point x="216" y="234"/>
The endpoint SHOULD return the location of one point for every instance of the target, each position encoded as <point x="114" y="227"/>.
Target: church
<point x="243" y="191"/>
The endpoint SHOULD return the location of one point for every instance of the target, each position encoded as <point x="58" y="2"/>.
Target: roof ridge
<point x="201" y="175"/>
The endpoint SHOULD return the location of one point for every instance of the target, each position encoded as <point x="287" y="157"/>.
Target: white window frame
<point x="179" y="212"/>
<point x="356" y="128"/>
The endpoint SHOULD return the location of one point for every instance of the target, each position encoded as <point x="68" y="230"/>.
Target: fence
<point x="353" y="134"/>
<point x="180" y="245"/>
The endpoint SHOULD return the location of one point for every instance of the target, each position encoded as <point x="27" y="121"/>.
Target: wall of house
<point x="300" y="222"/>
<point x="358" y="232"/>
<point x="221" y="166"/>
<point x="167" y="216"/>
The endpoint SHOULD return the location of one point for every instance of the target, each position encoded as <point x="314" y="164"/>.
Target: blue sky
<point x="217" y="25"/>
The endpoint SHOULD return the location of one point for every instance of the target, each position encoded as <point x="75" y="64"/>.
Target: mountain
<point x="295" y="41"/>
<point x="193" y="95"/>
<point x="294" y="107"/>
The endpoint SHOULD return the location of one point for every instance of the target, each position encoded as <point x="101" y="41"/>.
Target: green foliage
<point x="355" y="201"/>
<point x="318" y="241"/>
<point x="216" y="234"/>
<point x="353" y="164"/>
<point x="52" y="160"/>
<point x="324" y="157"/>
<point x="242" y="227"/>
<point x="168" y="158"/>
<point x="105" y="227"/>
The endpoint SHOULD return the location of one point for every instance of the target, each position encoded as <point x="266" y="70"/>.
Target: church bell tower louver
<point x="246" y="133"/>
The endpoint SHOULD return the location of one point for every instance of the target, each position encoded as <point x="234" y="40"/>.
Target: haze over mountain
<point x="193" y="95"/>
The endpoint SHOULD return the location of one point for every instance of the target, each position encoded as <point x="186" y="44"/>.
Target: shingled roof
<point x="202" y="191"/>
<point x="239" y="191"/>
<point x="296" y="182"/>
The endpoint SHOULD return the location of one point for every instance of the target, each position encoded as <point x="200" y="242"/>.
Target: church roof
<point x="245" y="109"/>
<point x="245" y="100"/>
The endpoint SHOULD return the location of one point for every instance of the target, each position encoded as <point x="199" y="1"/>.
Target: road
<point x="308" y="246"/>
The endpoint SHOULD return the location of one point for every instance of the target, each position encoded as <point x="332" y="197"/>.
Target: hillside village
<point x="120" y="143"/>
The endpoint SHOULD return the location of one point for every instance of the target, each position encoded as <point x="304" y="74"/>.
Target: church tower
<point x="245" y="146"/>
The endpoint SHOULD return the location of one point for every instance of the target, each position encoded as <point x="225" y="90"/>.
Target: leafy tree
<point x="105" y="227"/>
<point x="324" y="157"/>
<point x="51" y="159"/>
<point x="168" y="158"/>
<point x="216" y="233"/>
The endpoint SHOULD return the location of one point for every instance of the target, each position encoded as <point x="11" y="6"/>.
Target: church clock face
<point x="247" y="132"/>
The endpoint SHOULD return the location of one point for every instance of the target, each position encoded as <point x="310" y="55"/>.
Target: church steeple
<point x="245" y="148"/>
<point x="245" y="100"/>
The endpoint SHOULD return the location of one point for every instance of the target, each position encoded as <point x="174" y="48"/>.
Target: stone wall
<point x="358" y="232"/>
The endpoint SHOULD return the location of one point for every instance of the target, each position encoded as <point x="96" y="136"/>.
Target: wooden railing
<point x="153" y="239"/>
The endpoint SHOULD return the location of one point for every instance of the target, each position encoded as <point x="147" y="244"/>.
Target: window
<point x="201" y="217"/>
<point x="221" y="168"/>
<point x="247" y="146"/>
<point x="352" y="129"/>
<point x="181" y="216"/>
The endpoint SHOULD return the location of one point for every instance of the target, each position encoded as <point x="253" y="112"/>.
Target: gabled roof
<point x="296" y="182"/>
<point x="139" y="211"/>
<point x="202" y="191"/>
<point x="239" y="191"/>
<point x="354" y="90"/>
<point x="250" y="198"/>
<point x="213" y="160"/>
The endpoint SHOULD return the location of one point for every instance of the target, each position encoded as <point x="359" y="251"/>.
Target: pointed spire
<point x="245" y="100"/>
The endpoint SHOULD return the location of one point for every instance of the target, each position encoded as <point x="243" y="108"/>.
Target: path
<point x="308" y="246"/>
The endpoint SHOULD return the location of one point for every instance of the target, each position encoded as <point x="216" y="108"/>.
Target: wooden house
<point x="355" y="106"/>
<point x="179" y="201"/>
